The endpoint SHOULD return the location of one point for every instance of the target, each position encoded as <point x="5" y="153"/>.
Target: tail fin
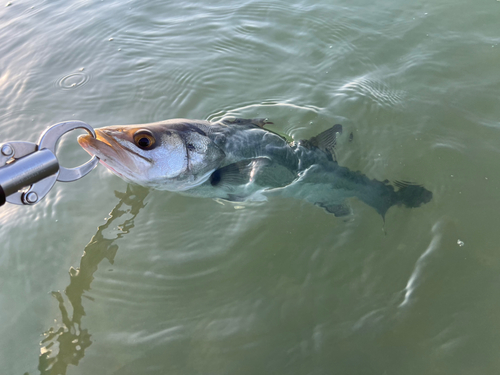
<point x="408" y="194"/>
<point x="411" y="195"/>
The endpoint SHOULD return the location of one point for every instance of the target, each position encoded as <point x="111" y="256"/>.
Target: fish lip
<point x="106" y="148"/>
<point x="101" y="145"/>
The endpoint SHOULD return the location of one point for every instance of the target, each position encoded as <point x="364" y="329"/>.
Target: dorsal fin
<point x="327" y="140"/>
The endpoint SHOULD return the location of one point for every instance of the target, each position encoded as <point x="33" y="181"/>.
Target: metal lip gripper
<point x="28" y="170"/>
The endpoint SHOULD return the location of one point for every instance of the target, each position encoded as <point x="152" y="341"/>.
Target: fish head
<point x="169" y="155"/>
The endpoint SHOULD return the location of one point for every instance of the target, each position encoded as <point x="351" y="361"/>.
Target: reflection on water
<point x="73" y="340"/>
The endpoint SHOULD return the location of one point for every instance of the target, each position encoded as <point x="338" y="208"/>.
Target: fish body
<point x="239" y="160"/>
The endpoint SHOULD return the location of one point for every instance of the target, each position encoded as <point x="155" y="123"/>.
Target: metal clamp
<point x="49" y="140"/>
<point x="35" y="168"/>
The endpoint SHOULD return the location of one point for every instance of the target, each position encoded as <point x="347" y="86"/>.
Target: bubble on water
<point x="460" y="243"/>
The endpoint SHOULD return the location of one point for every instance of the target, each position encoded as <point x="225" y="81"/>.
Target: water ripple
<point x="373" y="90"/>
<point x="73" y="80"/>
<point x="144" y="337"/>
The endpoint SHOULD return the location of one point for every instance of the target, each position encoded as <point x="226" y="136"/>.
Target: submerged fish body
<point x="239" y="160"/>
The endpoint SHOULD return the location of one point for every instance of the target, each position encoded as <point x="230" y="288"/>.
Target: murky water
<point x="159" y="283"/>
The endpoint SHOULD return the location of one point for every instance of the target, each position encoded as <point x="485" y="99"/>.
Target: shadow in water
<point x="71" y="338"/>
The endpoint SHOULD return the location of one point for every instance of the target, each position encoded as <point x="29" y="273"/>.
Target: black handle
<point x="2" y="196"/>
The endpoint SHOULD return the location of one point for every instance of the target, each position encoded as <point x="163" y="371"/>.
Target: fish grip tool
<point x="28" y="170"/>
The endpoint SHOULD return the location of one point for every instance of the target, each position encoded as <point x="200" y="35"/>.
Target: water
<point x="171" y="284"/>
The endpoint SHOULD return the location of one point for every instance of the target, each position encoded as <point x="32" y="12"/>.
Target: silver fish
<point x="239" y="160"/>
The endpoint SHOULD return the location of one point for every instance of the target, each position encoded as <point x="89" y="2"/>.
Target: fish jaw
<point x="111" y="155"/>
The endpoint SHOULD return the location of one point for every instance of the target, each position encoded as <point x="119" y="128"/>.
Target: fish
<point x="239" y="160"/>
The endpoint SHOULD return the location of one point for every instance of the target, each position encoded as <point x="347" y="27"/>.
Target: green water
<point x="105" y="278"/>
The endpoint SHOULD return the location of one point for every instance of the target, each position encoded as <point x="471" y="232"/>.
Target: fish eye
<point x="144" y="139"/>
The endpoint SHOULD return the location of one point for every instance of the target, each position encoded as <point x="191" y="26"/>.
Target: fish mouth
<point x="101" y="146"/>
<point x="109" y="152"/>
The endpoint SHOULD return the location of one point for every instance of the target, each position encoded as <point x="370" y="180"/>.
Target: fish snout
<point x="102" y="146"/>
<point x="85" y="140"/>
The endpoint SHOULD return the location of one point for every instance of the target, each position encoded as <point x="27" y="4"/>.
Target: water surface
<point x="105" y="278"/>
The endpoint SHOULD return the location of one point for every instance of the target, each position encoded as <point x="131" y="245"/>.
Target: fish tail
<point x="329" y="185"/>
<point x="408" y="194"/>
<point x="411" y="195"/>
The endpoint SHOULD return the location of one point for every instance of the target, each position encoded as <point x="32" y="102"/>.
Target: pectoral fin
<point x="239" y="173"/>
<point x="261" y="171"/>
